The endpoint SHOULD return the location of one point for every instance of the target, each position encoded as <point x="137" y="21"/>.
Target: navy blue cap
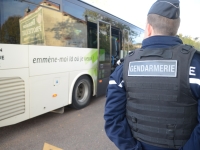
<point x="166" y="8"/>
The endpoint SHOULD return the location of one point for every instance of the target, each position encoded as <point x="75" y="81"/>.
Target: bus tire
<point x="82" y="92"/>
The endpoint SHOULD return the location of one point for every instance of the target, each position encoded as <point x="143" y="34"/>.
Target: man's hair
<point x="162" y="25"/>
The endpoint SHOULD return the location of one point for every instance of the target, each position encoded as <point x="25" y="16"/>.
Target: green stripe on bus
<point x="91" y="56"/>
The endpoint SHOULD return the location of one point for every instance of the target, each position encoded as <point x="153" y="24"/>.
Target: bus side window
<point x="74" y="25"/>
<point x="92" y="35"/>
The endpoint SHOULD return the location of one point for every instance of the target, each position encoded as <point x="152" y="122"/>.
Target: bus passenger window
<point x="92" y="35"/>
<point x="28" y="24"/>
<point x="74" y="26"/>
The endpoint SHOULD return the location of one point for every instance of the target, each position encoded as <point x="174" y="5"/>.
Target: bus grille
<point x="12" y="97"/>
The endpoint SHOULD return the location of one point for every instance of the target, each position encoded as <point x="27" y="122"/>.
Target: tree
<point x="190" y="41"/>
<point x="10" y="30"/>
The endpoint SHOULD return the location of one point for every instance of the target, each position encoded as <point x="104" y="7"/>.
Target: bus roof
<point x="91" y="7"/>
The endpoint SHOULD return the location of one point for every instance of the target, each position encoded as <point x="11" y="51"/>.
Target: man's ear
<point x="149" y="30"/>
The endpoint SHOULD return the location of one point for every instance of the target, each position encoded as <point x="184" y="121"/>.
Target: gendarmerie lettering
<point x="152" y="68"/>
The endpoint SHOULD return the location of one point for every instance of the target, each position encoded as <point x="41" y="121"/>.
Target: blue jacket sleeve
<point x="116" y="125"/>
<point x="194" y="142"/>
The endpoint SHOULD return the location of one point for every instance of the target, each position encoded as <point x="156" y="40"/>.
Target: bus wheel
<point x="81" y="93"/>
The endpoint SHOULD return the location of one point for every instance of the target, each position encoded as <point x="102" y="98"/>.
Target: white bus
<point x="55" y="53"/>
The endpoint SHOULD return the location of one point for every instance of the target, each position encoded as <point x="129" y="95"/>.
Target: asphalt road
<point x="74" y="130"/>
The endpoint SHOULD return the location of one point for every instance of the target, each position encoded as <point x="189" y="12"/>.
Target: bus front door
<point x="104" y="65"/>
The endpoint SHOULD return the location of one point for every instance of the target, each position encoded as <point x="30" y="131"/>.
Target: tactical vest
<point x="160" y="109"/>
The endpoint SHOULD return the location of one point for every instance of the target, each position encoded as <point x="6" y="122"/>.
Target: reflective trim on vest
<point x="194" y="81"/>
<point x="112" y="82"/>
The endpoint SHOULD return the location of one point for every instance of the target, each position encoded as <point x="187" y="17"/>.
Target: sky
<point x="135" y="12"/>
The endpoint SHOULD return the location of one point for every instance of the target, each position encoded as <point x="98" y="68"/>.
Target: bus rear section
<point x="14" y="84"/>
